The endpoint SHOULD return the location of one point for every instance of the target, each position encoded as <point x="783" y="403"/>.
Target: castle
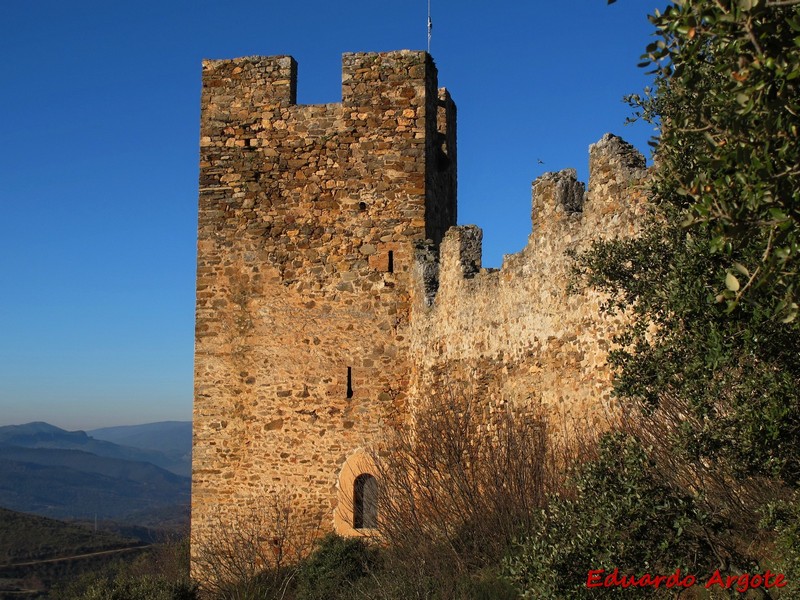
<point x="334" y="290"/>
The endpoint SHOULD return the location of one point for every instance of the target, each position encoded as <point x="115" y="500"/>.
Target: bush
<point x="783" y="518"/>
<point x="254" y="554"/>
<point x="489" y="587"/>
<point x="622" y="516"/>
<point x="330" y="572"/>
<point x="460" y="484"/>
<point x="137" y="588"/>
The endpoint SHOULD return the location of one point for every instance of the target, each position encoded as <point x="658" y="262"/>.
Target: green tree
<point x="727" y="92"/>
<point x="727" y="185"/>
<point x="724" y="384"/>
<point x="708" y="370"/>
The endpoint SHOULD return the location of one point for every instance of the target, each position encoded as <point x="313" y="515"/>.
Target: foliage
<point x="137" y="588"/>
<point x="727" y="92"/>
<point x="735" y="373"/>
<point x="168" y="559"/>
<point x="252" y="555"/>
<point x="332" y="570"/>
<point x="25" y="537"/>
<point x="488" y="585"/>
<point x="459" y="486"/>
<point x="161" y="571"/>
<point x="621" y="517"/>
<point x="705" y="282"/>
<point x="707" y="371"/>
<point x="784" y="519"/>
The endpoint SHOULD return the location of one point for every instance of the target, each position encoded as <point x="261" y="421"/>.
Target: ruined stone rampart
<point x="516" y="332"/>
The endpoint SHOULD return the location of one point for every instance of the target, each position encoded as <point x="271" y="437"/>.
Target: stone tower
<point x="309" y="216"/>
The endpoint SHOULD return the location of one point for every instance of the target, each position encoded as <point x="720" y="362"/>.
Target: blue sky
<point x="99" y="153"/>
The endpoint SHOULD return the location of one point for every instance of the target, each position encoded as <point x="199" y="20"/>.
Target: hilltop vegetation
<point x="26" y="537"/>
<point x="36" y="552"/>
<point x="707" y="373"/>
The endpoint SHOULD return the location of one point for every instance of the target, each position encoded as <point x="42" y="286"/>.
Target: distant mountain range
<point x="167" y="445"/>
<point x="70" y="474"/>
<point x="172" y="438"/>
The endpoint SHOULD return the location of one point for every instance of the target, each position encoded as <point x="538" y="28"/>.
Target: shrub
<point x="622" y="516"/>
<point x="137" y="588"/>
<point x="460" y="484"/>
<point x="783" y="518"/>
<point x="330" y="572"/>
<point x="253" y="555"/>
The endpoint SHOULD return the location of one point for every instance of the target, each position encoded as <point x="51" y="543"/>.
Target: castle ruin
<point x="334" y="289"/>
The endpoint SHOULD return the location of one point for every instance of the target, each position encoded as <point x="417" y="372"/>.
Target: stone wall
<point x="333" y="292"/>
<point x="516" y="333"/>
<point x="308" y="220"/>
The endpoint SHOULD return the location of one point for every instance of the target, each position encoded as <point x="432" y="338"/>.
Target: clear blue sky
<point x="98" y="161"/>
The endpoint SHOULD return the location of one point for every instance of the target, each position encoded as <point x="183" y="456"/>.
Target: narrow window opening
<point x="349" y="382"/>
<point x="390" y="265"/>
<point x="365" y="502"/>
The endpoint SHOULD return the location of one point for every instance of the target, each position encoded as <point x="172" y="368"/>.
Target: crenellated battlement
<point x="518" y="329"/>
<point x="564" y="217"/>
<point x="386" y="152"/>
<point x="368" y="79"/>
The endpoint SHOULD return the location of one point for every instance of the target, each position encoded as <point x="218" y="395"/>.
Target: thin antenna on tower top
<point x="430" y="26"/>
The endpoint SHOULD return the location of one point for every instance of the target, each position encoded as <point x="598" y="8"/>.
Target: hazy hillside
<point x="90" y="486"/>
<point x="36" y="553"/>
<point x="44" y="435"/>
<point x="173" y="438"/>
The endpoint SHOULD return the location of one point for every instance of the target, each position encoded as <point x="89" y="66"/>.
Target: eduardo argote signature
<point x="741" y="583"/>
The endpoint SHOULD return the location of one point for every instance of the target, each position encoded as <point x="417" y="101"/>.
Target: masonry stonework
<point x="334" y="292"/>
<point x="516" y="333"/>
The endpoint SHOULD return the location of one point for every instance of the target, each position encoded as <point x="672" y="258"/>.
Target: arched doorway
<point x="365" y="502"/>
<point x="358" y="503"/>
